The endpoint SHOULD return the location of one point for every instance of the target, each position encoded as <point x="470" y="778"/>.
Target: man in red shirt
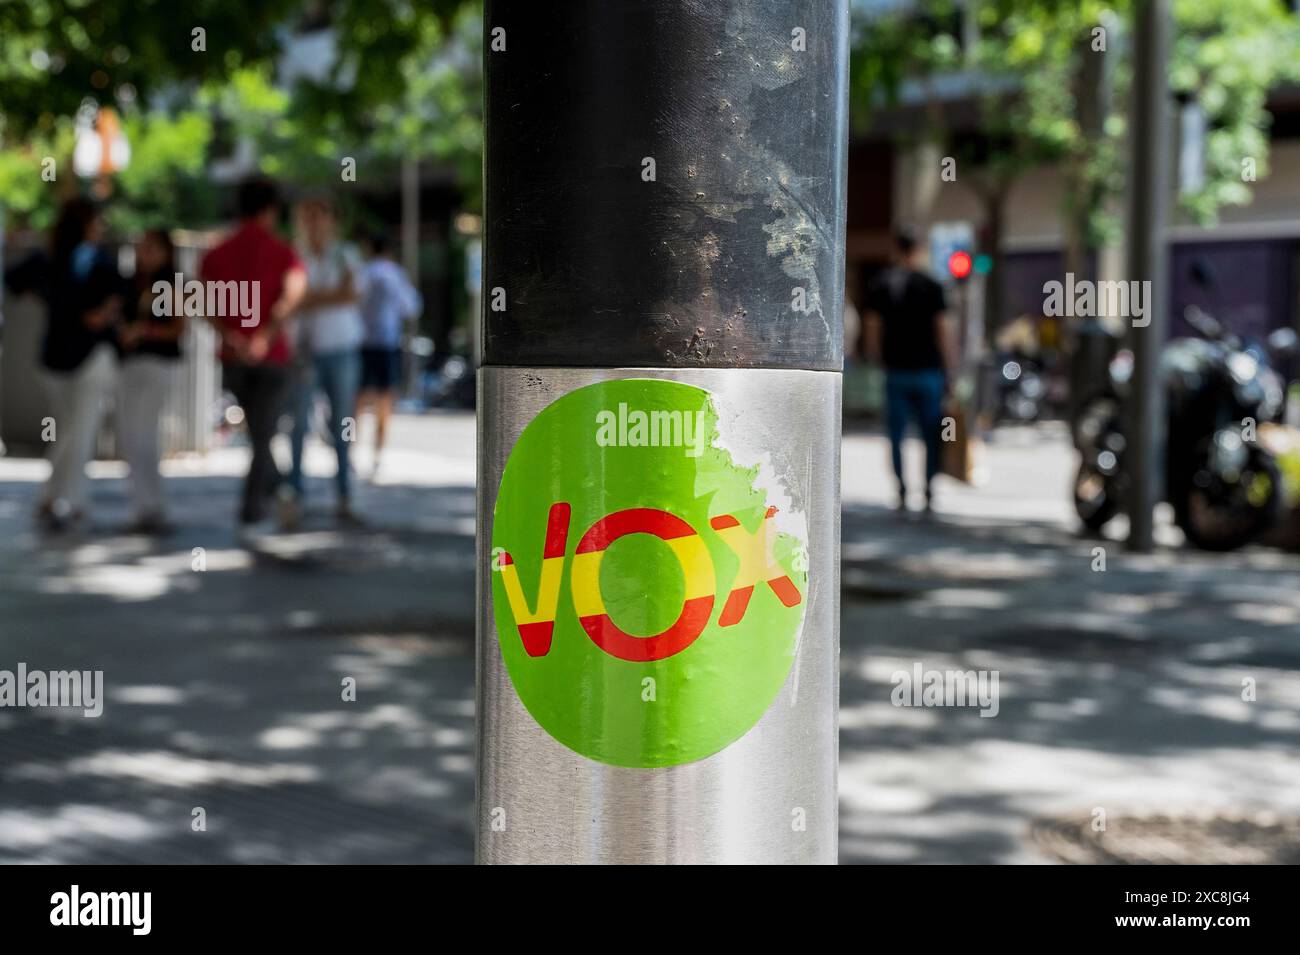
<point x="256" y="353"/>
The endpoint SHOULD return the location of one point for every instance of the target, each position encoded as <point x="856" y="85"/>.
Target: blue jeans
<point x="338" y="374"/>
<point x="915" y="395"/>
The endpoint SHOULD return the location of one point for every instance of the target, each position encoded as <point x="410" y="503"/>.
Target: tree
<point x="58" y="52"/>
<point x="1050" y="84"/>
<point x="188" y="76"/>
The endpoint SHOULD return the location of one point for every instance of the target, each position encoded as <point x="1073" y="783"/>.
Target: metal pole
<point x="1149" y="261"/>
<point x="410" y="227"/>
<point x="659" y="429"/>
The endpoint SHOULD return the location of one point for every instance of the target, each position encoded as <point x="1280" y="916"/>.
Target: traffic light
<point x="959" y="265"/>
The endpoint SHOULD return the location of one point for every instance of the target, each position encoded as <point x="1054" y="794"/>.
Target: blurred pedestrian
<point x="149" y="337"/>
<point x="328" y="333"/>
<point x="78" y="356"/>
<point x="390" y="300"/>
<point x="906" y="332"/>
<point x="255" y="354"/>
<point x="853" y="347"/>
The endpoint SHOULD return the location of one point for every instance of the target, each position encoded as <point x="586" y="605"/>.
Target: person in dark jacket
<point x="151" y="349"/>
<point x="78" y="355"/>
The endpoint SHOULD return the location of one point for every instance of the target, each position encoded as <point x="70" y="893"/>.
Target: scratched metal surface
<point x="694" y="269"/>
<point x="736" y="806"/>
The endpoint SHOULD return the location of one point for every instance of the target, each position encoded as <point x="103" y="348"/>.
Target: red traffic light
<point x="959" y="264"/>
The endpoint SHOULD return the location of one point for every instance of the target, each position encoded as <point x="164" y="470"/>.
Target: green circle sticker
<point x="647" y="606"/>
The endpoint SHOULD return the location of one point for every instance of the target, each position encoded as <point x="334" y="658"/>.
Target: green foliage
<point x="23" y="189"/>
<point x="405" y="82"/>
<point x="54" y="53"/>
<point x="1227" y="55"/>
<point x="440" y="116"/>
<point x="1030" y="57"/>
<point x="165" y="182"/>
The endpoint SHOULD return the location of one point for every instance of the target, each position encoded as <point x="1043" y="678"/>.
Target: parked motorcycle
<point x="1021" y="388"/>
<point x="1224" y="484"/>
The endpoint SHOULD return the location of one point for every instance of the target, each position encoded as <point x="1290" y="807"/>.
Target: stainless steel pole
<point x="659" y="427"/>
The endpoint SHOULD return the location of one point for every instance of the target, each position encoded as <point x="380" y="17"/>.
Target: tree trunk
<point x="1082" y="195"/>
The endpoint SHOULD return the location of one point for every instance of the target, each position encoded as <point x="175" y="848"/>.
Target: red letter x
<point x="756" y="563"/>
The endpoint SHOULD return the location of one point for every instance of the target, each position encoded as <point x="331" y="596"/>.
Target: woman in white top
<point x="328" y="343"/>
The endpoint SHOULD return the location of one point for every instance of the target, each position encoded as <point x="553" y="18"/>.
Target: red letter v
<point x="537" y="626"/>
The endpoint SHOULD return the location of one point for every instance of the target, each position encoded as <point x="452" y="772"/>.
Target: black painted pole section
<point x="659" y="428"/>
<point x="1149" y="260"/>
<point x="694" y="269"/>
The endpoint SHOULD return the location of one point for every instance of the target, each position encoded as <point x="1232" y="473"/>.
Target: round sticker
<point x="647" y="606"/>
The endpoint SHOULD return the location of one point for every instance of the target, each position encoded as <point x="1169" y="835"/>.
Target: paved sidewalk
<point x="225" y="686"/>
<point x="1119" y="690"/>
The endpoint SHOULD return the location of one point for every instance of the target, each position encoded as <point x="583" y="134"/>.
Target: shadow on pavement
<point x="224" y="668"/>
<point x="1120" y="689"/>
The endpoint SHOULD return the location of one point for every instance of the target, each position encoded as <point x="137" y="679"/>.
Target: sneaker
<point x="288" y="512"/>
<point x="58" y="516"/>
<point x="252" y="533"/>
<point x="346" y="516"/>
<point x="152" y="525"/>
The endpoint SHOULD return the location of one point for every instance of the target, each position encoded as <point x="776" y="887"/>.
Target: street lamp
<point x="101" y="147"/>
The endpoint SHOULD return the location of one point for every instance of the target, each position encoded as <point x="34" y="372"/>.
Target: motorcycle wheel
<point x="1221" y="514"/>
<point x="1098" y="413"/>
<point x="1096" y="500"/>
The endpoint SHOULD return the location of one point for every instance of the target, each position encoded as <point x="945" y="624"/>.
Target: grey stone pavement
<point x="1120" y="691"/>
